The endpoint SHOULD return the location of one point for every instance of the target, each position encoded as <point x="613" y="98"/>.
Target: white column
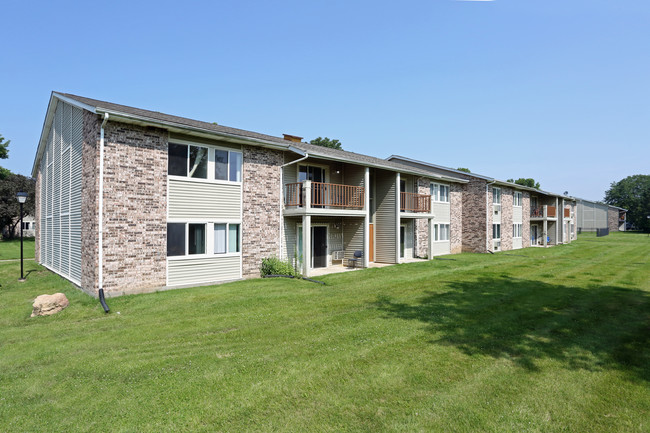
<point x="557" y="220"/>
<point x="430" y="243"/>
<point x="306" y="245"/>
<point x="366" y="222"/>
<point x="306" y="187"/>
<point x="545" y="232"/>
<point x="397" y="218"/>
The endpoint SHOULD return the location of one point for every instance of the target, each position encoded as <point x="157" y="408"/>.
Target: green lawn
<point x="558" y="340"/>
<point x="10" y="249"/>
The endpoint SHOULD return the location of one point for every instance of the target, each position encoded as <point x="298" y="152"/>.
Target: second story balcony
<point x="415" y="203"/>
<point x="323" y="198"/>
<point x="541" y="212"/>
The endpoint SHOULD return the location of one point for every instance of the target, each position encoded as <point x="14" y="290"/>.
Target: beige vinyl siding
<point x="440" y="248"/>
<point x="203" y="270"/>
<point x="60" y="218"/>
<point x="352" y="236"/>
<point x="203" y="200"/>
<point x="441" y="212"/>
<point x="290" y="239"/>
<point x="517" y="243"/>
<point x="517" y="216"/>
<point x="354" y="175"/>
<point x="385" y="217"/>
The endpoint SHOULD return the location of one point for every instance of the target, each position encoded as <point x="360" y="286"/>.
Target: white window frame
<point x="434" y="190"/>
<point x="437" y="232"/>
<point x="517" y="230"/>
<point x="209" y="238"/>
<point x="211" y="163"/>
<point x="518" y="198"/>
<point x="493" y="226"/>
<point x="496" y="192"/>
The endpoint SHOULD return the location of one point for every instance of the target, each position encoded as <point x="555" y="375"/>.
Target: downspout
<point x="100" y="275"/>
<point x="487" y="214"/>
<point x="299" y="152"/>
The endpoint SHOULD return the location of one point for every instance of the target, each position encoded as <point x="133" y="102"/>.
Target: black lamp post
<point x="22" y="198"/>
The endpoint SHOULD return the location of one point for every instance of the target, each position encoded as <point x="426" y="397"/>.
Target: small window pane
<point x="235" y="166"/>
<point x="198" y="162"/>
<point x="219" y="238"/>
<point x="233" y="238"/>
<point x="221" y="164"/>
<point x="175" y="239"/>
<point x="435" y="232"/>
<point x="197" y="239"/>
<point x="177" y="160"/>
<point x="444" y="193"/>
<point x="434" y="192"/>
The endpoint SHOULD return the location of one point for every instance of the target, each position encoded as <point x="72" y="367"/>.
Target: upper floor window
<point x="194" y="161"/>
<point x="496" y="195"/>
<point x="517" y="199"/>
<point x="496" y="231"/>
<point x="439" y="192"/>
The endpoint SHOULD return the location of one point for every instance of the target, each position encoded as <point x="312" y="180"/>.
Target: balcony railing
<point x="324" y="195"/>
<point x="543" y="212"/>
<point x="411" y="202"/>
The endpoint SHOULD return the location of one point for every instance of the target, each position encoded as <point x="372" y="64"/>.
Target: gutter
<point x="305" y="155"/>
<point x="100" y="258"/>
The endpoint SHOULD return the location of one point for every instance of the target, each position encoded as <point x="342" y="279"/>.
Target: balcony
<point x="415" y="203"/>
<point x="567" y="213"/>
<point x="542" y="212"/>
<point x="323" y="198"/>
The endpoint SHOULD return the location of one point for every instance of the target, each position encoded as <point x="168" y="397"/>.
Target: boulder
<point x="46" y="305"/>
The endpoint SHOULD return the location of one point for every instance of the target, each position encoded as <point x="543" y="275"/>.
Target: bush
<point x="275" y="266"/>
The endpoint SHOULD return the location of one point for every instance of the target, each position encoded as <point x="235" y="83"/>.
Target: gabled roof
<point x="479" y="176"/>
<point x="137" y="115"/>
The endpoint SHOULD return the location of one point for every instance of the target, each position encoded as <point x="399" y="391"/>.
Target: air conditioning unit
<point x="338" y="255"/>
<point x="497" y="208"/>
<point x="497" y="245"/>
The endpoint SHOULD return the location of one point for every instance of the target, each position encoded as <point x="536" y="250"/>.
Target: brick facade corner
<point x="507" y="203"/>
<point x="525" y="220"/>
<point x="89" y="195"/>
<point x="612" y="219"/>
<point x="135" y="208"/>
<point x="261" y="207"/>
<point x="456" y="217"/>
<point x="474" y="225"/>
<point x="421" y="244"/>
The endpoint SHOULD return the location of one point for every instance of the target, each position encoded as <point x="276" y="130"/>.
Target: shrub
<point x="275" y="266"/>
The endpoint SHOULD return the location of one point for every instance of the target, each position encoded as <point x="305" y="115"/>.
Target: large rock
<point x="46" y="305"/>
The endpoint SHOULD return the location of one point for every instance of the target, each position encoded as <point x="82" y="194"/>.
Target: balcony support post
<point x="430" y="243"/>
<point x="366" y="219"/>
<point x="307" y="192"/>
<point x="398" y="206"/>
<point x="545" y="229"/>
<point x="306" y="245"/>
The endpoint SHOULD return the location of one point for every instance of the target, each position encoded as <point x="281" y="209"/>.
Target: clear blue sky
<point x="557" y="90"/>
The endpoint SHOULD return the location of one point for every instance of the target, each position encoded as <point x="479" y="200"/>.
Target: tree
<point x="633" y="194"/>
<point x="9" y="206"/>
<point x="4" y="154"/>
<point x="529" y="182"/>
<point x="466" y="170"/>
<point x="326" y="142"/>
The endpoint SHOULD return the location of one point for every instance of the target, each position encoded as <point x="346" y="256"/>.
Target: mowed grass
<point x="556" y="341"/>
<point x="10" y="249"/>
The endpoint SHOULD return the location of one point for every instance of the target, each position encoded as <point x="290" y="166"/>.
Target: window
<point x="496" y="231"/>
<point x="517" y="199"/>
<point x="175" y="239"/>
<point x="196" y="239"/>
<point x="227" y="237"/>
<point x="441" y="232"/>
<point x="439" y="192"/>
<point x="496" y="195"/>
<point x="227" y="165"/>
<point x="516" y="230"/>
<point x="194" y="161"/>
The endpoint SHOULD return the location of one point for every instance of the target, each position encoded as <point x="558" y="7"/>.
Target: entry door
<point x="371" y="239"/>
<point x="402" y="237"/>
<point x="319" y="246"/>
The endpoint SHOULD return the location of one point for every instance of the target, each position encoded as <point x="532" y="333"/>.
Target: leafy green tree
<point x="9" y="206"/>
<point x="633" y="194"/>
<point x="4" y="154"/>
<point x="466" y="170"/>
<point x="326" y="142"/>
<point x="529" y="182"/>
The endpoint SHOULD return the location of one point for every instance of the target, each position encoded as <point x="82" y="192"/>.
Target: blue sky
<point x="554" y="90"/>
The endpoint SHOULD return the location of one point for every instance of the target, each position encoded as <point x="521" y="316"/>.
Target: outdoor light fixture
<point x="22" y="198"/>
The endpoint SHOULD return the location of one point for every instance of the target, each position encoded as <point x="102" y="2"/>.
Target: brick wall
<point x="456" y="217"/>
<point x="89" y="194"/>
<point x="421" y="246"/>
<point x="473" y="216"/>
<point x="525" y="220"/>
<point x="261" y="207"/>
<point x="507" y="202"/>
<point x="612" y="219"/>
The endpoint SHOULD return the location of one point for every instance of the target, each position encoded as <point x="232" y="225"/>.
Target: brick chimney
<point x="293" y="138"/>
